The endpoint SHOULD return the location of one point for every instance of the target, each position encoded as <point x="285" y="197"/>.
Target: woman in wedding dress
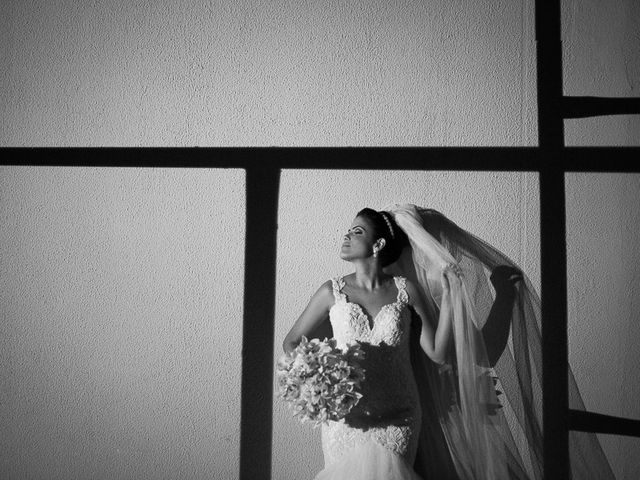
<point x="434" y="309"/>
<point x="379" y="437"/>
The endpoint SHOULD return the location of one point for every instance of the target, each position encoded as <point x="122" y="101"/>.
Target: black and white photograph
<point x="332" y="240"/>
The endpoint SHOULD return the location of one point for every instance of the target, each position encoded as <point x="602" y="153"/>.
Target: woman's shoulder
<point x="326" y="290"/>
<point x="334" y="285"/>
<point x="410" y="288"/>
<point x="323" y="298"/>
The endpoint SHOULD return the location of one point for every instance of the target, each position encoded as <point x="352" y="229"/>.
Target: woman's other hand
<point x="505" y="279"/>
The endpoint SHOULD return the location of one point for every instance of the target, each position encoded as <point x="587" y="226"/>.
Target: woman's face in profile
<point x="358" y="241"/>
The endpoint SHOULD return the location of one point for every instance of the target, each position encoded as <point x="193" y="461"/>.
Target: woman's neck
<point x="369" y="275"/>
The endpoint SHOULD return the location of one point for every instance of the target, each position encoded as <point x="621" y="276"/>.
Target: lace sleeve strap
<point x="338" y="284"/>
<point x="401" y="284"/>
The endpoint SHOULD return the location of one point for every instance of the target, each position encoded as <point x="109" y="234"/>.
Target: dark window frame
<point x="263" y="167"/>
<point x="551" y="159"/>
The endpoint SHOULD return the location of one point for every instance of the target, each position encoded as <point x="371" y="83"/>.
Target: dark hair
<point x="383" y="226"/>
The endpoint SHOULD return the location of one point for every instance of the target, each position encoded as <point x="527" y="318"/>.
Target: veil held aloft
<point x="482" y="409"/>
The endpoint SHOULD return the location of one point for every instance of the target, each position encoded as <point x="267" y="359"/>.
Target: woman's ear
<point x="381" y="242"/>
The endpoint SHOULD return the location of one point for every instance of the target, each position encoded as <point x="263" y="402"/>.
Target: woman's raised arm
<point x="312" y="316"/>
<point x="435" y="344"/>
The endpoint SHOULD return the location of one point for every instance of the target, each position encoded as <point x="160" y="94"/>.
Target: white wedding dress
<point x="379" y="437"/>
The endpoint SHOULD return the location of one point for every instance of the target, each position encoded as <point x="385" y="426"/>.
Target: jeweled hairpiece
<point x="388" y="224"/>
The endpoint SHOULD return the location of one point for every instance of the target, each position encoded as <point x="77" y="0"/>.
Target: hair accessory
<point x="388" y="224"/>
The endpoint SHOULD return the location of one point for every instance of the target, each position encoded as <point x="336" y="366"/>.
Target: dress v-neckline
<point x="371" y="321"/>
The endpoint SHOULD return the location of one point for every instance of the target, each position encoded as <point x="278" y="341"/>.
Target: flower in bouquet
<point x="320" y="381"/>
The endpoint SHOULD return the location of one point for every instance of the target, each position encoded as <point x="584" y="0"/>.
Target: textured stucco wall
<point x="502" y="208"/>
<point x="121" y="323"/>
<point x="602" y="58"/>
<point x="603" y="256"/>
<point x="264" y="72"/>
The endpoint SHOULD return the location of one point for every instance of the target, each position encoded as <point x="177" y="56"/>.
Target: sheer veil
<point x="482" y="409"/>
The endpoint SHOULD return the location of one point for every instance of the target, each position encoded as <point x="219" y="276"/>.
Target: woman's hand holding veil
<point x="450" y="276"/>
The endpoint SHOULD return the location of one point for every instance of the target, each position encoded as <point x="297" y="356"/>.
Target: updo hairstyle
<point x="383" y="225"/>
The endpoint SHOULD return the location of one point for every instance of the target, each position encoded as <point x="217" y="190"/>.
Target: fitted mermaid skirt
<point x="378" y="439"/>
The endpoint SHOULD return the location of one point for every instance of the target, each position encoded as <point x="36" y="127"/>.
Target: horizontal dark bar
<point x="581" y="107"/>
<point x="598" y="423"/>
<point x="579" y="159"/>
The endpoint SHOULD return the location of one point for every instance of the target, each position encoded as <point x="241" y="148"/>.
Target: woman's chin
<point x="345" y="256"/>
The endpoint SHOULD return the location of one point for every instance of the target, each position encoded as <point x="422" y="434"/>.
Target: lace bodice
<point x="389" y="411"/>
<point x="350" y="323"/>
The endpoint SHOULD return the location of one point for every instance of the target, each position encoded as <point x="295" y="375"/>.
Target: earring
<point x="375" y="252"/>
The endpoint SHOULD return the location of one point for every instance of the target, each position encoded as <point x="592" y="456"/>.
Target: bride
<point x="434" y="308"/>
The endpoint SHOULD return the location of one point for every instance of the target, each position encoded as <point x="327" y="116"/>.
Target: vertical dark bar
<point x="553" y="242"/>
<point x="554" y="325"/>
<point x="258" y="327"/>
<point x="549" y="74"/>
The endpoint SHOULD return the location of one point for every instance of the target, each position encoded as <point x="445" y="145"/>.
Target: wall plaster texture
<point x="112" y="366"/>
<point x="121" y="325"/>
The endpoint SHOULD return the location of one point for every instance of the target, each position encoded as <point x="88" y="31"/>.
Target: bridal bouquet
<point x="320" y="381"/>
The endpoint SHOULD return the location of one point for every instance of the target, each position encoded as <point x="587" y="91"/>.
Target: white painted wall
<point x="146" y="73"/>
<point x="603" y="252"/>
<point x="262" y="72"/>
<point x="602" y="58"/>
<point x="502" y="208"/>
<point x="121" y="331"/>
